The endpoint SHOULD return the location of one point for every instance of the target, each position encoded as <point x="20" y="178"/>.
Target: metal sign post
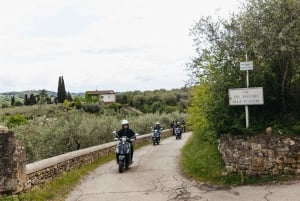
<point x="248" y="65"/>
<point x="246" y="106"/>
<point x="246" y="96"/>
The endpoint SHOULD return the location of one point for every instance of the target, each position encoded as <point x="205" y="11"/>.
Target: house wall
<point x="108" y="98"/>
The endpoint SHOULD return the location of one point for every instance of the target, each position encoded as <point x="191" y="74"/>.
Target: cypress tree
<point x="64" y="93"/>
<point x="69" y="97"/>
<point x="26" y="100"/>
<point x="12" y="101"/>
<point x="61" y="91"/>
<point x="32" y="99"/>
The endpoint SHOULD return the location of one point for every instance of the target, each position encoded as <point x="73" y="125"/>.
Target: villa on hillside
<point x="107" y="96"/>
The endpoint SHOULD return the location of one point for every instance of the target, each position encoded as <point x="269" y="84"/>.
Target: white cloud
<point x="119" y="45"/>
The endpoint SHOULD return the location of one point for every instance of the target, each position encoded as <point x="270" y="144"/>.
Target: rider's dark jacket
<point x="125" y="132"/>
<point x="158" y="127"/>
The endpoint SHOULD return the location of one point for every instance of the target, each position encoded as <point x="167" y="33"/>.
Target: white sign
<point x="248" y="65"/>
<point x="246" y="96"/>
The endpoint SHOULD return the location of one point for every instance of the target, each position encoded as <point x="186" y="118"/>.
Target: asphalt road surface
<point x="155" y="176"/>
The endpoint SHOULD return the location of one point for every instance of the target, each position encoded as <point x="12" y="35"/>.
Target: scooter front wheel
<point x="121" y="166"/>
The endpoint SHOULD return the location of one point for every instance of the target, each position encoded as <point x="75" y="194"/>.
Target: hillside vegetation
<point x="51" y="129"/>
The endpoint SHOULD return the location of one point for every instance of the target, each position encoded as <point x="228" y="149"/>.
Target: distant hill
<point x="19" y="96"/>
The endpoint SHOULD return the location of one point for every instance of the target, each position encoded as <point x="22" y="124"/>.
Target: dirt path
<point x="155" y="175"/>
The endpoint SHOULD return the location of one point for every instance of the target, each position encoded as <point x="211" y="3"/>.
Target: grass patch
<point x="201" y="158"/>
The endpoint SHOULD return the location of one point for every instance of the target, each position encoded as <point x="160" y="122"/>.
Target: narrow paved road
<point x="155" y="175"/>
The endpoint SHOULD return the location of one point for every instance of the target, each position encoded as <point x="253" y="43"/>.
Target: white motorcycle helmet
<point x="124" y="122"/>
<point x="157" y="123"/>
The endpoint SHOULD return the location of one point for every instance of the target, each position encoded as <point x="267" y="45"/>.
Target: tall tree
<point x="61" y="91"/>
<point x="26" y="100"/>
<point x="12" y="101"/>
<point x="43" y="96"/>
<point x="69" y="97"/>
<point x="268" y="32"/>
<point x="276" y="25"/>
<point x="32" y="99"/>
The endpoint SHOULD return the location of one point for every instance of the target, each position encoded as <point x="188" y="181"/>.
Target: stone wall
<point x="12" y="162"/>
<point x="261" y="154"/>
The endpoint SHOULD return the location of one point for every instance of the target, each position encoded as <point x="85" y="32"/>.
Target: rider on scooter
<point x="159" y="128"/>
<point x="179" y="127"/>
<point x="126" y="131"/>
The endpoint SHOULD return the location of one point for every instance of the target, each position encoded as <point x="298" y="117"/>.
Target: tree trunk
<point x="283" y="86"/>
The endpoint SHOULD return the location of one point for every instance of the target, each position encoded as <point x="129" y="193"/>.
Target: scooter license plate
<point x="121" y="157"/>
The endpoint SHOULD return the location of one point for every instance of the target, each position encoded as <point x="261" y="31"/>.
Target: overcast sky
<point x="123" y="45"/>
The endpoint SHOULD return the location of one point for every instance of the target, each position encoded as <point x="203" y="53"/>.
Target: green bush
<point x="296" y="129"/>
<point x="16" y="120"/>
<point x="91" y="108"/>
<point x="4" y="105"/>
<point x="77" y="103"/>
<point x="115" y="106"/>
<point x="18" y="103"/>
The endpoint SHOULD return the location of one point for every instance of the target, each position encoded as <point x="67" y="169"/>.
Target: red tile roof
<point x="100" y="92"/>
